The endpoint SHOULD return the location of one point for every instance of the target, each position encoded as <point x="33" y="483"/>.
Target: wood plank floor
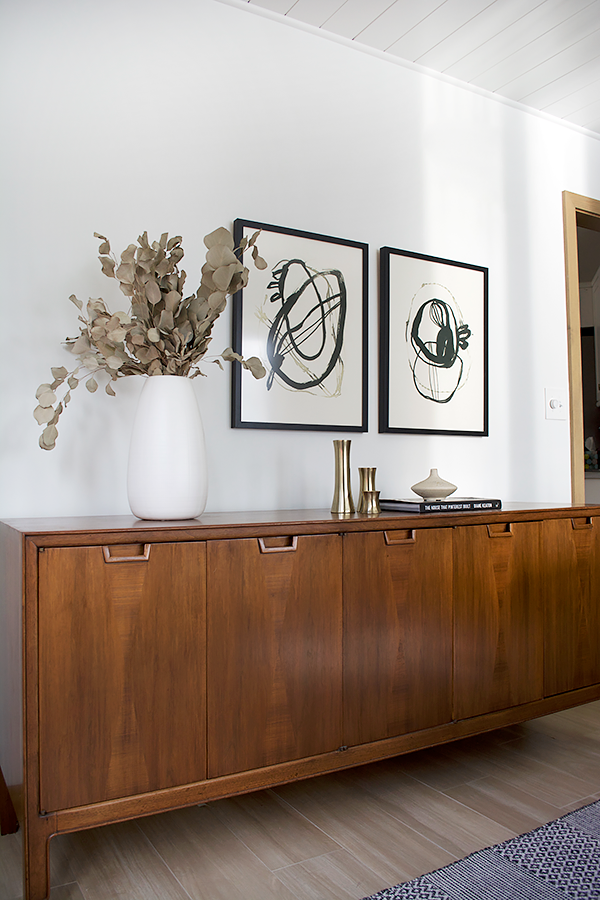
<point x="337" y="837"/>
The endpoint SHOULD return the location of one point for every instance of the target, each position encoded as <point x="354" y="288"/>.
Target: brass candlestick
<point x="343" y="504"/>
<point x="367" y="483"/>
<point x="371" y="505"/>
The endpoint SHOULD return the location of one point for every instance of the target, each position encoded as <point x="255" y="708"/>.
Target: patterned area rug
<point x="558" y="861"/>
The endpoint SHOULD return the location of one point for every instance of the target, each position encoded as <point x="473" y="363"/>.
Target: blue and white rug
<point x="558" y="861"/>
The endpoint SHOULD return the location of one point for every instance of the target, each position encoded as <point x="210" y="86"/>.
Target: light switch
<point x="556" y="403"/>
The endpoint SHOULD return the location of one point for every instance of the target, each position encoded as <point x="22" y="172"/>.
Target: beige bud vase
<point x="434" y="487"/>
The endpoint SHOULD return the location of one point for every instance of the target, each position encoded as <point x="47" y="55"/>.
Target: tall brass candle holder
<point x="343" y="504"/>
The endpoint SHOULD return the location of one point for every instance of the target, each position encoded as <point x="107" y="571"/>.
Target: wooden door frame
<point x="576" y="209"/>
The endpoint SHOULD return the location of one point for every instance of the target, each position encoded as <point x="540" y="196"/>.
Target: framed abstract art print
<point x="433" y="345"/>
<point x="305" y="318"/>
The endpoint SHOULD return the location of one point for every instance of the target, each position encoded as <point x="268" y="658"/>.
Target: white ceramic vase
<point x="167" y="474"/>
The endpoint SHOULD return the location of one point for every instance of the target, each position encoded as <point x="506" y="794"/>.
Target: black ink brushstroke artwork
<point x="433" y="345"/>
<point x="306" y="326"/>
<point x="306" y="319"/>
<point x="437" y="335"/>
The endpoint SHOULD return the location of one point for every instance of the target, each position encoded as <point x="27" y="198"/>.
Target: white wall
<point x="129" y="115"/>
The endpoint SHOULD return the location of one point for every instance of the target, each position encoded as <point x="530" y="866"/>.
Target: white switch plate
<point x="556" y="403"/>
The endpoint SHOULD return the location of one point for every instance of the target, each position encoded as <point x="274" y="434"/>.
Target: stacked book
<point x="455" y="504"/>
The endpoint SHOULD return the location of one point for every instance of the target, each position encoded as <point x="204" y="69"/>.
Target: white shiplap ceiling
<point x="544" y="54"/>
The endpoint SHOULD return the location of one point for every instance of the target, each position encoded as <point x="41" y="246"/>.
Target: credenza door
<point x="121" y="670"/>
<point x="274" y="650"/>
<point x="397" y="632"/>
<point x="498" y="617"/>
<point x="572" y="603"/>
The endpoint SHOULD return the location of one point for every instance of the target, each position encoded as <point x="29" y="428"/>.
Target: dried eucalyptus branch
<point x="163" y="333"/>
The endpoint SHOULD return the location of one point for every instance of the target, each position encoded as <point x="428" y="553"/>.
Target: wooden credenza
<point x="146" y="666"/>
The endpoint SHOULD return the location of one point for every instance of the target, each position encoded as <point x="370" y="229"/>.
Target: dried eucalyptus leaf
<point x="153" y="336"/>
<point x="128" y="255"/>
<point x="108" y="266"/>
<point x="42" y="390"/>
<point x="97" y="333"/>
<point x="229" y="355"/>
<point x="73" y="382"/>
<point x="117" y="335"/>
<point x="255" y="366"/>
<point x="81" y="345"/>
<point x="165" y="267"/>
<point x="219" y="255"/>
<point x="219" y="236"/>
<point x="260" y="263"/>
<point x="166" y="320"/>
<point x="100" y="237"/>
<point x="140" y="310"/>
<point x="186" y="331"/>
<point x="109" y="390"/>
<point x="172" y="300"/>
<point x="67" y="398"/>
<point x="216" y="299"/>
<point x="222" y="277"/>
<point x="174" y="242"/>
<point x="104" y="247"/>
<point x="153" y="294"/>
<point x="56" y="415"/>
<point x="92" y="385"/>
<point x="43" y="414"/>
<point x="126" y="273"/>
<point x="114" y="362"/>
<point x="77" y="302"/>
<point x="207" y="285"/>
<point x="48" y="437"/>
<point x="59" y="373"/>
<point x="47" y="398"/>
<point x="147" y="354"/>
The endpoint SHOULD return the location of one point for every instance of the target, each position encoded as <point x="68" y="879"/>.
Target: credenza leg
<point x="8" y="818"/>
<point x="36" y="864"/>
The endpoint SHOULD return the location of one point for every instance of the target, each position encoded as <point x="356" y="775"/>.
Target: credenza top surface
<point x="255" y="522"/>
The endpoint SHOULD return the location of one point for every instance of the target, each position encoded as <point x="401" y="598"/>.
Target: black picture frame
<point x="306" y="318"/>
<point x="433" y="345"/>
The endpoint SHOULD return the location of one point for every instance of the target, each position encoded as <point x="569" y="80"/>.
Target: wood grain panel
<point x="498" y="618"/>
<point x="397" y="633"/>
<point x="122" y="672"/>
<point x="572" y="609"/>
<point x="275" y="652"/>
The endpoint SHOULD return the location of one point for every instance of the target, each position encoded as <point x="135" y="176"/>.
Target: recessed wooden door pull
<point x="118" y="553"/>
<point x="401" y="536"/>
<point x="502" y="529"/>
<point x="285" y="544"/>
<point x="579" y="524"/>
